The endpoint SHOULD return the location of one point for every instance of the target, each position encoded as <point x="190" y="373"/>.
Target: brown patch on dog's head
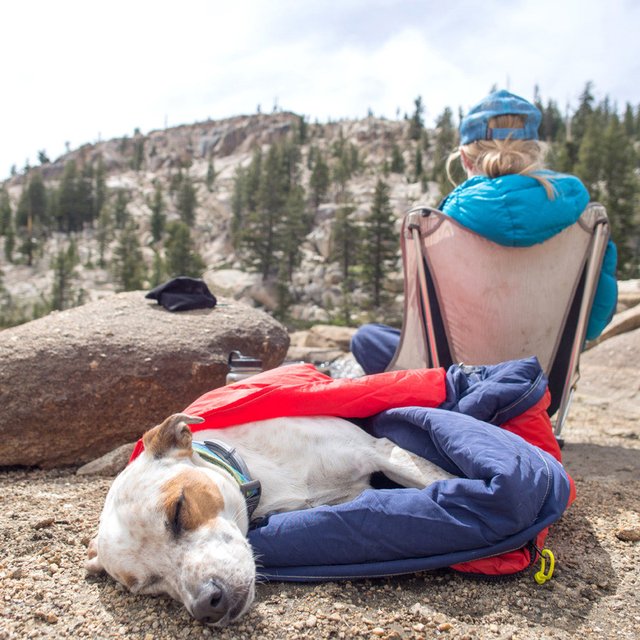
<point x="189" y="500"/>
<point x="173" y="433"/>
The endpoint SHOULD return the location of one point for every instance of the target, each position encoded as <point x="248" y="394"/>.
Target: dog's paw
<point x="93" y="566"/>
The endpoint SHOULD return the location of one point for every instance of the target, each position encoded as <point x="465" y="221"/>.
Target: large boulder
<point x="77" y="383"/>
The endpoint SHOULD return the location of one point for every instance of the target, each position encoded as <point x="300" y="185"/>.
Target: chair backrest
<point x="470" y="300"/>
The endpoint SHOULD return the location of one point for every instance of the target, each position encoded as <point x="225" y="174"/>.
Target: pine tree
<point x="418" y="169"/>
<point x="283" y="294"/>
<point x="175" y="182"/>
<point x="294" y="226"/>
<point x="9" y="244"/>
<point x="581" y="118"/>
<point x="397" y="161"/>
<point x="104" y="233"/>
<point x="311" y="157"/>
<point x="128" y="266"/>
<point x="560" y="156"/>
<point x="85" y="196"/>
<point x="238" y="204"/>
<point x="263" y="222"/>
<point x="271" y="219"/>
<point x="622" y="191"/>
<point x="340" y="175"/>
<point x="537" y="98"/>
<point x="552" y="126"/>
<point x="589" y="162"/>
<point x="11" y="312"/>
<point x="380" y="243"/>
<point x="425" y="141"/>
<point x="246" y="186"/>
<point x="211" y="175"/>
<point x="187" y="201"/>
<point x="137" y="161"/>
<point x="33" y="203"/>
<point x="444" y="144"/>
<point x="75" y="201"/>
<point x="319" y="180"/>
<point x="121" y="215"/>
<point x="181" y="258"/>
<point x="347" y="162"/>
<point x="345" y="240"/>
<point x="71" y="199"/>
<point x="629" y="122"/>
<point x="260" y="230"/>
<point x="416" y="124"/>
<point x="100" y="188"/>
<point x="303" y="130"/>
<point x="158" y="217"/>
<point x="6" y="212"/>
<point x="63" y="295"/>
<point x="32" y="215"/>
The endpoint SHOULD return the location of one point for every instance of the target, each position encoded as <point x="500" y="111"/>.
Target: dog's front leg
<point x="406" y="468"/>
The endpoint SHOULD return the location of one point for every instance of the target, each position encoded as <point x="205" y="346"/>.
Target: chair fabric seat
<point x="470" y="300"/>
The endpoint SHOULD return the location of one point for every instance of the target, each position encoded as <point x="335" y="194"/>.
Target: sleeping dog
<point x="175" y="520"/>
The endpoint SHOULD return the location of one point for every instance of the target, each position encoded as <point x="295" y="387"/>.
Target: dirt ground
<point x="47" y="518"/>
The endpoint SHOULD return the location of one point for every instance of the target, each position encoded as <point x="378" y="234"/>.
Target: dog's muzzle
<point x="217" y="603"/>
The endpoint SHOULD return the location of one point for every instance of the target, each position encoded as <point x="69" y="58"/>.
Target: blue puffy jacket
<point x="514" y="210"/>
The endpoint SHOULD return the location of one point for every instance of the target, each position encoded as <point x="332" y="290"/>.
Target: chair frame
<point x="422" y="305"/>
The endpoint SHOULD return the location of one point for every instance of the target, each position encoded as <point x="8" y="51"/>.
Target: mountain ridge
<point x="226" y="144"/>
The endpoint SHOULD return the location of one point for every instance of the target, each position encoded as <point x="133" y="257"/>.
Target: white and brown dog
<point x="175" y="522"/>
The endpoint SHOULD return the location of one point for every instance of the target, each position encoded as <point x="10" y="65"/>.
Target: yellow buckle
<point x="544" y="575"/>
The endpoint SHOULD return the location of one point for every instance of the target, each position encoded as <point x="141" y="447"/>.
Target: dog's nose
<point x="212" y="603"/>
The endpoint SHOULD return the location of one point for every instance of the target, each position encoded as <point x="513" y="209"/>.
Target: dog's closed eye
<point x="190" y="500"/>
<point x="175" y="513"/>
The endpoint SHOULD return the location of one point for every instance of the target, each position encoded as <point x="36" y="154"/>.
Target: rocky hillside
<point x="225" y="145"/>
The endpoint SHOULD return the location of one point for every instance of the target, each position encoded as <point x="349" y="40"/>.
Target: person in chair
<point x="509" y="198"/>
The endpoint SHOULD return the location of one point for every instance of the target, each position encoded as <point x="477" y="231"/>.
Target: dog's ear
<point x="173" y="433"/>
<point x="93" y="565"/>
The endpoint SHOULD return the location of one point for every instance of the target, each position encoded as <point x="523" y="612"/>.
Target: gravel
<point x="48" y="517"/>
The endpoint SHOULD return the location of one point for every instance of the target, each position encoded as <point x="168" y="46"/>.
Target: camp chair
<point x="469" y="300"/>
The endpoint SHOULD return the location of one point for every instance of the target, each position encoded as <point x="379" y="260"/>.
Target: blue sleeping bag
<point x="507" y="493"/>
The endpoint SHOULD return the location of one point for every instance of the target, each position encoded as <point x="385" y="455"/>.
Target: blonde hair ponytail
<point x="494" y="158"/>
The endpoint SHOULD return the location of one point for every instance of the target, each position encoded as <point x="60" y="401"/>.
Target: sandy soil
<point x="47" y="518"/>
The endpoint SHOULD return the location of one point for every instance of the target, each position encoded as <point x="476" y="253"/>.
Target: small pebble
<point x="47" y="616"/>
<point x="628" y="535"/>
<point x="42" y="524"/>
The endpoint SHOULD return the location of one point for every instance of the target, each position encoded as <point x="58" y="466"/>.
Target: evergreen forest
<point x="276" y="198"/>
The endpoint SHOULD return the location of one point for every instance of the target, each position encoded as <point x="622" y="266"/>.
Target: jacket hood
<point x="514" y="210"/>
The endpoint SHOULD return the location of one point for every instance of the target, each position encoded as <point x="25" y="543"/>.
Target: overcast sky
<point x="76" y="71"/>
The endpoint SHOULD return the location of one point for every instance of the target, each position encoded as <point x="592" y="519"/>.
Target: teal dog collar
<point x="221" y="455"/>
